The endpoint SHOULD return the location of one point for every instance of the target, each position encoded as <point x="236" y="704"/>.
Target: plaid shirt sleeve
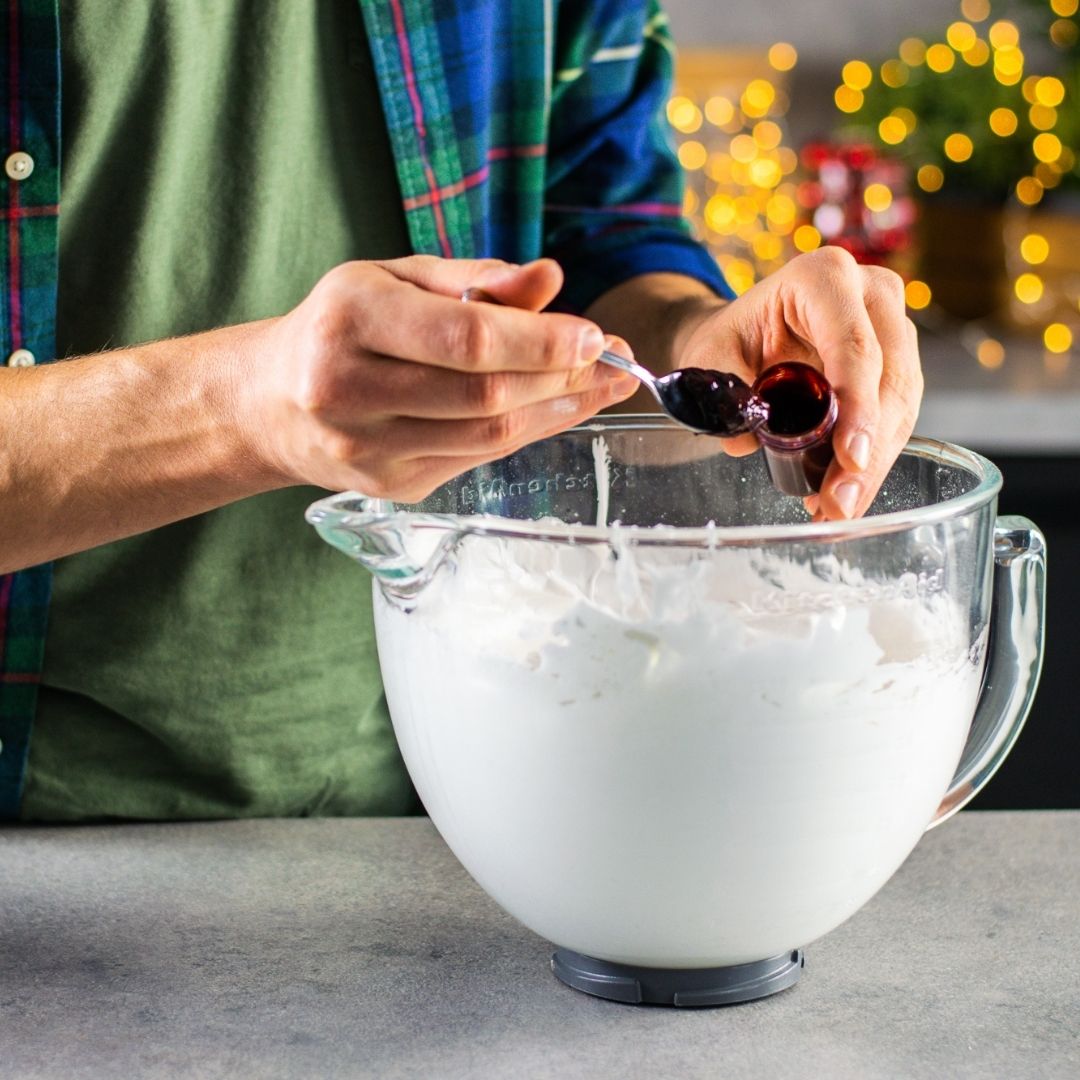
<point x="613" y="200"/>
<point x="29" y="192"/>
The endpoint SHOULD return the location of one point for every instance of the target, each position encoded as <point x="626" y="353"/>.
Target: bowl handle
<point x="1017" y="632"/>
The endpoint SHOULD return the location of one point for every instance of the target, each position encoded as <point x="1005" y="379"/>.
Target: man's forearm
<point x="102" y="447"/>
<point x="656" y="314"/>
<point x="380" y="379"/>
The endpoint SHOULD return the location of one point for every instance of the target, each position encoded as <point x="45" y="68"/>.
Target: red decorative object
<point x="856" y="199"/>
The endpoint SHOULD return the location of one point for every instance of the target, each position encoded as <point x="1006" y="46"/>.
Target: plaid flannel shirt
<point x="518" y="127"/>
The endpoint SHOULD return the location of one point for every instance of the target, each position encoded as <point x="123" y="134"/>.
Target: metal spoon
<point x="708" y="402"/>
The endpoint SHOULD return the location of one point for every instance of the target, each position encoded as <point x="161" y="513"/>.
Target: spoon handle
<point x="646" y="376"/>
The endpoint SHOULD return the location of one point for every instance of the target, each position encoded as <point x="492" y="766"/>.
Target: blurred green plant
<point x="990" y="111"/>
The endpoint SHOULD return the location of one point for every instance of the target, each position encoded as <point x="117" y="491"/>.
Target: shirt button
<point x="21" y="358"/>
<point x="19" y="165"/>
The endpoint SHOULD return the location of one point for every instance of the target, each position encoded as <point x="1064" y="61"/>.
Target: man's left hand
<point x="847" y="320"/>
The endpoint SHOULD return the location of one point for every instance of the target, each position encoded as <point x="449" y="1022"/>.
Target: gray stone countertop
<point x="360" y="948"/>
<point x="1028" y="405"/>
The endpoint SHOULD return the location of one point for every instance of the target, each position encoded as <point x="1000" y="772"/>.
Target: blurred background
<point x="940" y="138"/>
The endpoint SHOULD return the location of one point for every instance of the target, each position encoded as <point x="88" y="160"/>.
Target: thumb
<point x="532" y="286"/>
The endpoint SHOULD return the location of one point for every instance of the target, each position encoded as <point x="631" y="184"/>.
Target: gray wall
<point x="822" y="30"/>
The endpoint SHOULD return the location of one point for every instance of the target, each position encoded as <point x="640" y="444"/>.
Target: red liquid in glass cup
<point x="797" y="433"/>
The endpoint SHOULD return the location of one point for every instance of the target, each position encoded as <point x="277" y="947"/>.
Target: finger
<point x="829" y="304"/>
<point x="532" y="286"/>
<point x="383" y="388"/>
<point x="883" y="294"/>
<point x="740" y="445"/>
<point x="493" y="437"/>
<point x="420" y="476"/>
<point x="361" y="307"/>
<point x="851" y="485"/>
<point x="849" y="495"/>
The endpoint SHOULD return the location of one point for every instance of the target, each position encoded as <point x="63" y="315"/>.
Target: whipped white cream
<point x="677" y="757"/>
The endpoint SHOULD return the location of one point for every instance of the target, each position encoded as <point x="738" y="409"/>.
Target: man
<point x="287" y="200"/>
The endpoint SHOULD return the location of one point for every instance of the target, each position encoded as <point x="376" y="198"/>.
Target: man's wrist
<point x="657" y="314"/>
<point x="687" y="316"/>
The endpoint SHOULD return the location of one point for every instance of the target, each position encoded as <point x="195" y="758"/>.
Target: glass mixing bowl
<point x="671" y="724"/>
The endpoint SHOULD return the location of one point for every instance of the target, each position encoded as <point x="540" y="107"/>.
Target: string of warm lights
<point x="741" y="193"/>
<point x="966" y="112"/>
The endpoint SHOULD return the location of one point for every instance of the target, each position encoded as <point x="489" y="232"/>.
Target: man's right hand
<point x="383" y="381"/>
<point x="380" y="380"/>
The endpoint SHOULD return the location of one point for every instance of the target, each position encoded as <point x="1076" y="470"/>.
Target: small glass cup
<point x="797" y="436"/>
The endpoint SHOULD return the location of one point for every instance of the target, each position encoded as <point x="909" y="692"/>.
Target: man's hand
<point x="823" y="308"/>
<point x="848" y="321"/>
<point x="382" y="380"/>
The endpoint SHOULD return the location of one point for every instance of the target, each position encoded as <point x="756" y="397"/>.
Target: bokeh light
<point x="758" y="97"/>
<point x="990" y="353"/>
<point x="765" y="173"/>
<point x="857" y="74"/>
<point x="917" y="295"/>
<point x="848" y="99"/>
<point x="684" y="115"/>
<point x="1034" y="249"/>
<point x="1008" y="66"/>
<point x="940" y="58"/>
<point x="892" y="130"/>
<point x="1028" y="288"/>
<point x="1064" y="33"/>
<point x="1048" y="175"/>
<point x="975" y="10"/>
<point x="1004" y="35"/>
<point x="692" y="154"/>
<point x="829" y="220"/>
<point x="1057" y="337"/>
<point x="961" y="36"/>
<point x="894" y="73"/>
<point x="1049" y="91"/>
<point x="930" y="178"/>
<point x="739" y="274"/>
<point x="789" y="160"/>
<point x="806" y="238"/>
<point x="782" y="56"/>
<point x="1003" y="122"/>
<point x="909" y="119"/>
<point x="913" y="51"/>
<point x="720" y="213"/>
<point x="878" y="197"/>
<point x="1028" y="190"/>
<point x="767" y="134"/>
<point x="1065" y="8"/>
<point x="959" y="147"/>
<point x="1042" y="117"/>
<point x="767" y="246"/>
<point x="780" y="210"/>
<point x="978" y="54"/>
<point x="1047" y="147"/>
<point x="719" y="110"/>
<point x="743" y="148"/>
